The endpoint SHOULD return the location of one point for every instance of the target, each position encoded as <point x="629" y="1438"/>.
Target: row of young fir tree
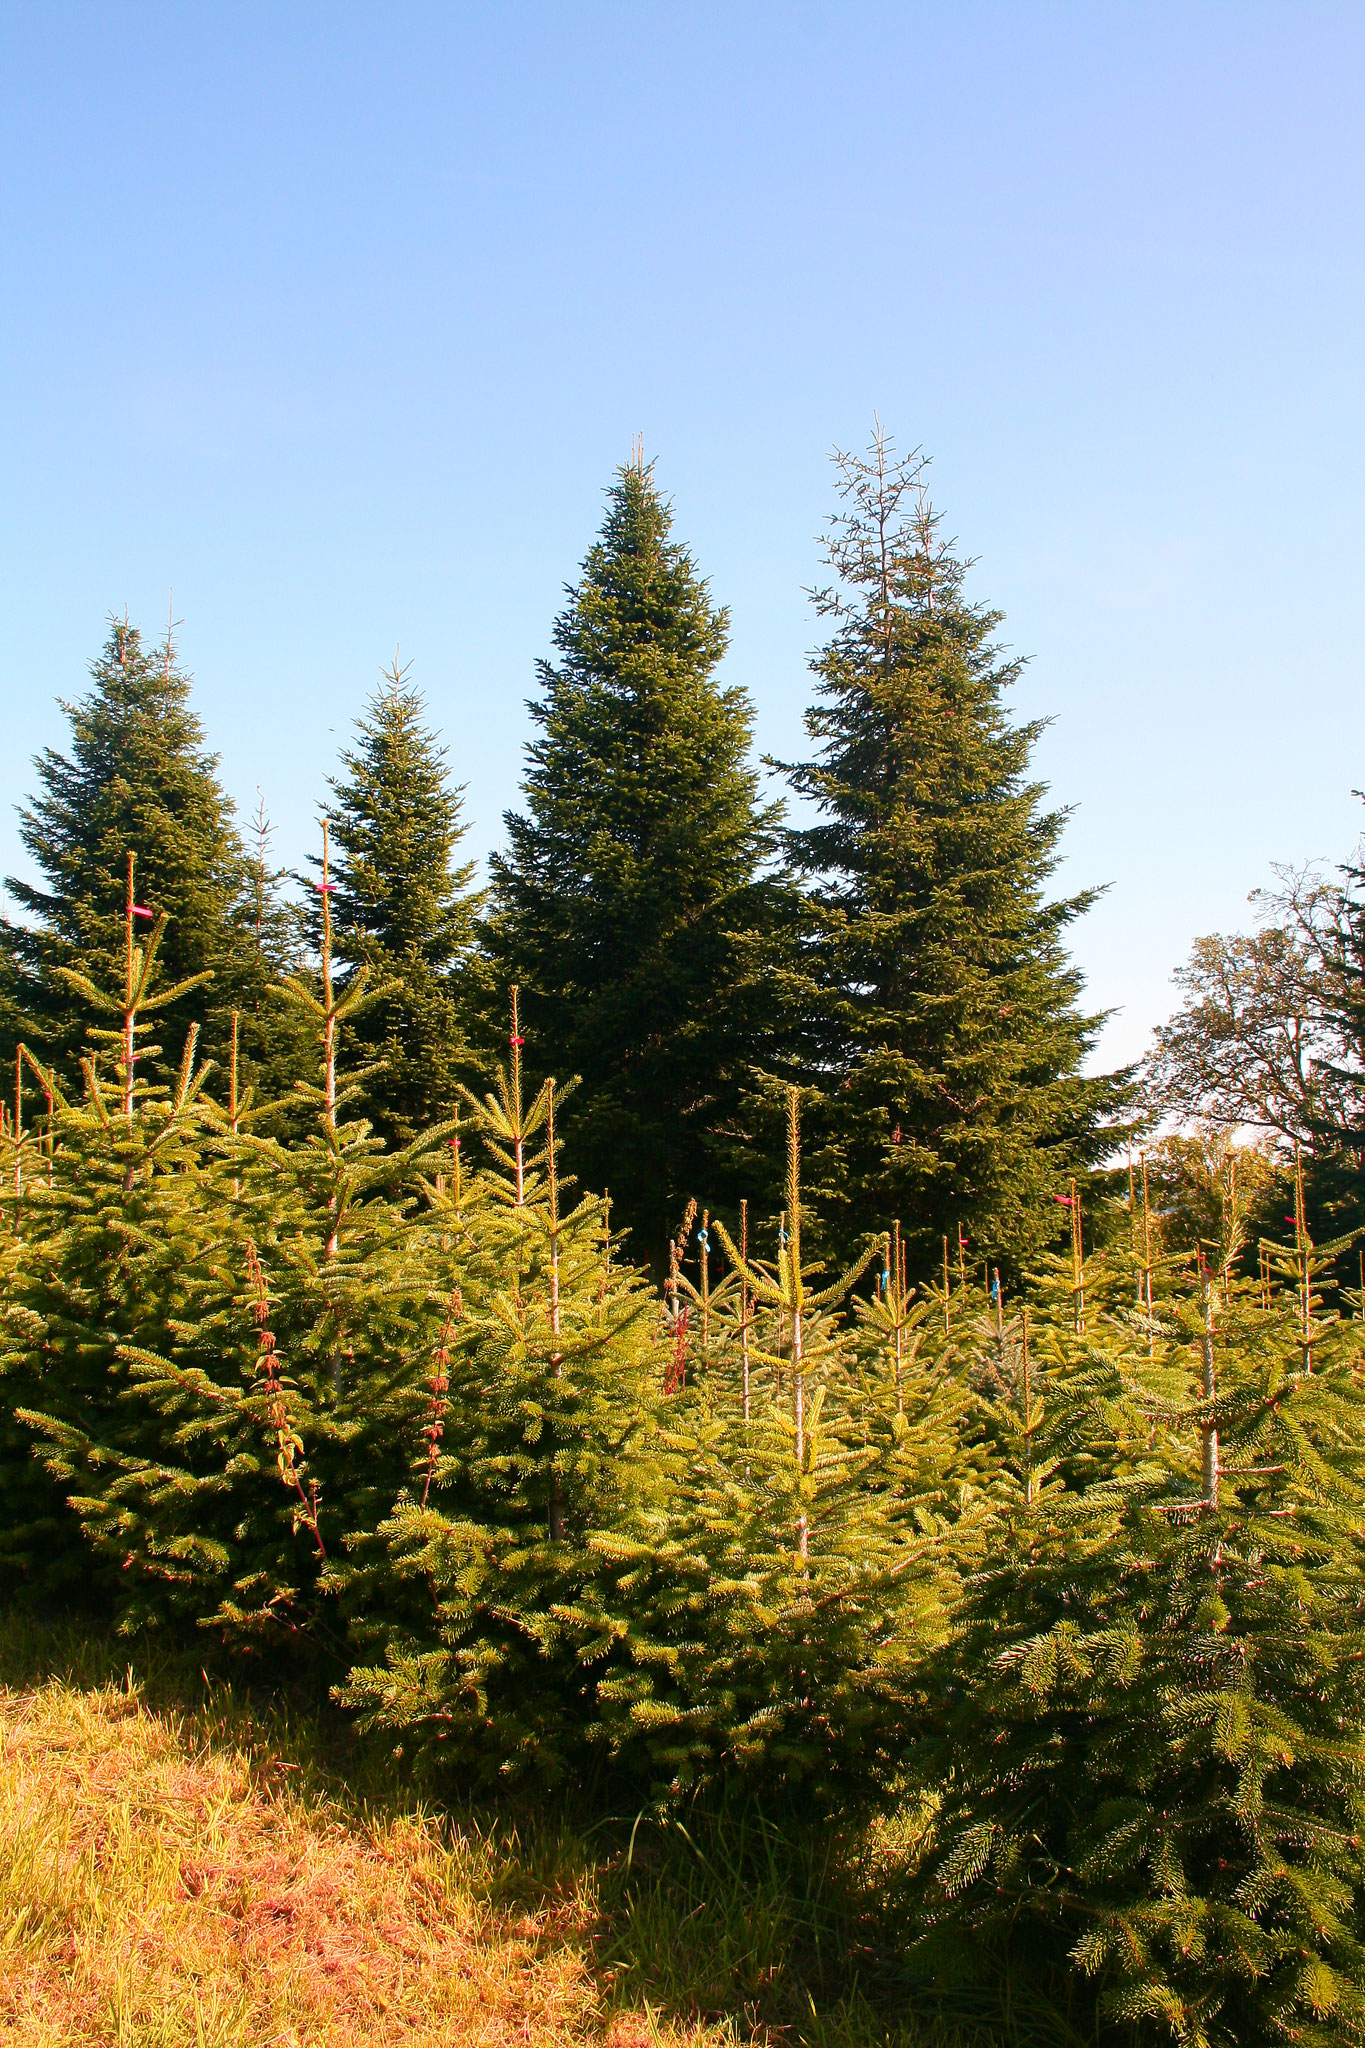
<point x="679" y="946"/>
<point x="1047" y="1604"/>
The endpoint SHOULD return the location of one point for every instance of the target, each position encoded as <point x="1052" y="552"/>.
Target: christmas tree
<point x="404" y="908"/>
<point x="1152" y="1752"/>
<point x="949" y="1037"/>
<point x="220" y="1341"/>
<point x="139" y="776"/>
<point x="547" y="1390"/>
<point x="631" y="905"/>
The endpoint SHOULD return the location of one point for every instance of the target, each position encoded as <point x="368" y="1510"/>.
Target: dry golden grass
<point x="166" y="1879"/>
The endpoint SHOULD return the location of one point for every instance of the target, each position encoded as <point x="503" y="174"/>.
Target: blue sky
<point x="335" y="320"/>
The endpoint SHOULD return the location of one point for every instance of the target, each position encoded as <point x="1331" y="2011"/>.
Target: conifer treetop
<point x="630" y="902"/>
<point x="942" y="1001"/>
<point x="396" y="824"/>
<point x="632" y="715"/>
<point x="404" y="909"/>
<point x="138" y="774"/>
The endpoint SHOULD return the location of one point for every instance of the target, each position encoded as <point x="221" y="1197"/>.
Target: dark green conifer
<point x="630" y="905"/>
<point x="403" y="909"/>
<point x="139" y="777"/>
<point x="947" y="1028"/>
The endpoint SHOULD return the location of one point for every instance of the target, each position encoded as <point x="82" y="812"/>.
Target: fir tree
<point x="219" y="1341"/>
<point x="948" y="1032"/>
<point x="544" y="1436"/>
<point x="404" y="909"/>
<point x="139" y="777"/>
<point x="630" y="905"/>
<point x="778" y="1588"/>
<point x="1152" y="1758"/>
<point x="106" y="1236"/>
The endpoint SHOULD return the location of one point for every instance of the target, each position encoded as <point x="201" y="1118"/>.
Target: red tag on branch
<point x="516" y="1041"/>
<point x="1065" y="1200"/>
<point x="138" y="911"/>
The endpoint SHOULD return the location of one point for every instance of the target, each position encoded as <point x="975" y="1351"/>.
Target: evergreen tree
<point x="788" y="1572"/>
<point x="105" y="1232"/>
<point x="139" y="778"/>
<point x="546" y="1400"/>
<point x="630" y="905"/>
<point x="215" y="1342"/>
<point x="404" y="910"/>
<point x="947" y="1030"/>
<point x="1152" y="1756"/>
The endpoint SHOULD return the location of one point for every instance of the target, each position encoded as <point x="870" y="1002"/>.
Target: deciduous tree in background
<point x="1270" y="1035"/>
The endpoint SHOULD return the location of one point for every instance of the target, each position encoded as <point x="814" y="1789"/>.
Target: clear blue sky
<point x="336" y="319"/>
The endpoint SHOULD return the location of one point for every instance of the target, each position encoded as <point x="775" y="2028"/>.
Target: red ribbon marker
<point x="137" y="910"/>
<point x="516" y="1041"/>
<point x="1065" y="1200"/>
<point x="325" y="888"/>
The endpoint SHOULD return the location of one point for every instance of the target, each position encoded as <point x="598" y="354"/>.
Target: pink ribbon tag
<point x="138" y="911"/>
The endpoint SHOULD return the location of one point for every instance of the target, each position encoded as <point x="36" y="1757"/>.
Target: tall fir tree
<point x="632" y="905"/>
<point x="404" y="908"/>
<point x="139" y="779"/>
<point x="947" y="1032"/>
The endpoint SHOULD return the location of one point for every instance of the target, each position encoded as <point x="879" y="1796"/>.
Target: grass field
<point x="178" y="1867"/>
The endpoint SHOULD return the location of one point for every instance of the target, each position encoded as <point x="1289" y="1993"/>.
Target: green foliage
<point x="211" y="1335"/>
<point x="1028" y="1581"/>
<point x="1158" y="1767"/>
<point x="945" y="1023"/>
<point x="630" y="905"/>
<point x="138" y="778"/>
<point x="544" y="1414"/>
<point x="790" y="1579"/>
<point x="405" y="910"/>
